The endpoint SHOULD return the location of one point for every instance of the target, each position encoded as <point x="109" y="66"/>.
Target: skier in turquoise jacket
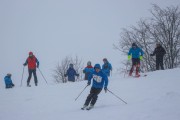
<point x="135" y="54"/>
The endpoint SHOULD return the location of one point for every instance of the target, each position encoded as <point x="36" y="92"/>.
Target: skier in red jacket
<point x="32" y="63"/>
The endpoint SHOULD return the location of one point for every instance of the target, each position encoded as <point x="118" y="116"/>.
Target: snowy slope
<point x="155" y="97"/>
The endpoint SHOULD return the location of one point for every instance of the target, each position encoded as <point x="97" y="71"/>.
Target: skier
<point x="106" y="67"/>
<point x="87" y="70"/>
<point x="31" y="61"/>
<point x="159" y="51"/>
<point x="71" y="73"/>
<point x="8" y="81"/>
<point x="100" y="80"/>
<point x="136" y="54"/>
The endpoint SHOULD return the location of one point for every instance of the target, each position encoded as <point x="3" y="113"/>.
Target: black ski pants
<point x="92" y="97"/>
<point x="159" y="62"/>
<point x="32" y="71"/>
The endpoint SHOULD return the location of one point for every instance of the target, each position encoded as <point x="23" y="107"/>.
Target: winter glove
<point x="24" y="64"/>
<point x="129" y="57"/>
<point x="105" y="89"/>
<point x="151" y="54"/>
<point x="65" y="75"/>
<point x="141" y="57"/>
<point x="88" y="83"/>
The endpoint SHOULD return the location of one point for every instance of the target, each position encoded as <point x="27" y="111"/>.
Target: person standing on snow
<point x="71" y="73"/>
<point x="100" y="80"/>
<point x="135" y="54"/>
<point x="159" y="51"/>
<point x="8" y="81"/>
<point x="106" y="67"/>
<point x="87" y="70"/>
<point x="31" y="61"/>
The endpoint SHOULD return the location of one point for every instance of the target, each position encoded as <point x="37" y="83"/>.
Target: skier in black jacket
<point x="159" y="51"/>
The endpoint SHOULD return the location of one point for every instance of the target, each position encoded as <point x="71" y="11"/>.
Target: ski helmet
<point x="30" y="53"/>
<point x="89" y="63"/>
<point x="71" y="65"/>
<point x="105" y="59"/>
<point x="9" y="74"/>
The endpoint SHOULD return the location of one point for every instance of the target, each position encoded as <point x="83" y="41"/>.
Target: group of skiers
<point x="136" y="54"/>
<point x="32" y="63"/>
<point x="106" y="68"/>
<point x="98" y="75"/>
<point x="71" y="72"/>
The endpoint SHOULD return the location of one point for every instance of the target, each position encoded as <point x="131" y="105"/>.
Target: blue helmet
<point x="97" y="66"/>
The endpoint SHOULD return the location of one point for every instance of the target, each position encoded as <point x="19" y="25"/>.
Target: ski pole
<point x="42" y="75"/>
<point x="117" y="96"/>
<point x="81" y="92"/>
<point x="22" y="76"/>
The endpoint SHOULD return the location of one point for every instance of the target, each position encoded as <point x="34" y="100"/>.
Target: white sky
<point x="54" y="29"/>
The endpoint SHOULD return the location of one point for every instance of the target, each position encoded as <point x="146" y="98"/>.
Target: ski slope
<point x="154" y="97"/>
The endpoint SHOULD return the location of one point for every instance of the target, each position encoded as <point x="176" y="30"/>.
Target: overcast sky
<point x="54" y="29"/>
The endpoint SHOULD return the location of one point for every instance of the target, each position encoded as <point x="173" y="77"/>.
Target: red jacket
<point x="31" y="61"/>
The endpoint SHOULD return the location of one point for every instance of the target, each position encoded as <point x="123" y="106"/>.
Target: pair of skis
<point x="137" y="76"/>
<point x="140" y="76"/>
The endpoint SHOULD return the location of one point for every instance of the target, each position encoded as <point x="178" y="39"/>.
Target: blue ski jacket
<point x="71" y="73"/>
<point x="106" y="68"/>
<point x="100" y="79"/>
<point x="136" y="52"/>
<point x="88" y="70"/>
<point x="7" y="80"/>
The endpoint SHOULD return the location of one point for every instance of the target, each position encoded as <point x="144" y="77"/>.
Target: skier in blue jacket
<point x="106" y="67"/>
<point x="87" y="70"/>
<point x="8" y="81"/>
<point x="136" y="54"/>
<point x="100" y="80"/>
<point x="71" y="73"/>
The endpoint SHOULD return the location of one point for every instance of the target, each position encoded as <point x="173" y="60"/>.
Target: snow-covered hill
<point x="155" y="97"/>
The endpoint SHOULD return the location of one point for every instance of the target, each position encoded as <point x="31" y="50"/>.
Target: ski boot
<point x="28" y="85"/>
<point x="90" y="107"/>
<point x="137" y="74"/>
<point x="84" y="107"/>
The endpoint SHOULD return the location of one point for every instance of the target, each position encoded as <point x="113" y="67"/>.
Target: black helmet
<point x="158" y="44"/>
<point x="134" y="45"/>
<point x="105" y="59"/>
<point x="71" y="65"/>
<point x="9" y="74"/>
